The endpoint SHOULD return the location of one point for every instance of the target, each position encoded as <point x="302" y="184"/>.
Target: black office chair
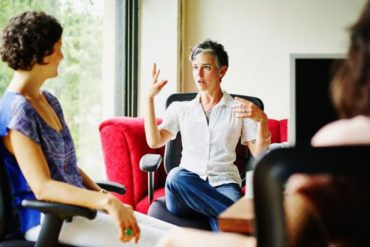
<point x="151" y="162"/>
<point x="55" y="215"/>
<point x="273" y="170"/>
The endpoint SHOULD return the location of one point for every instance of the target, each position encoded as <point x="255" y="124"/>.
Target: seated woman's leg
<point x="187" y="192"/>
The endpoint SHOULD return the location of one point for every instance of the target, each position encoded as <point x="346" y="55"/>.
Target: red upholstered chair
<point x="123" y="144"/>
<point x="274" y="129"/>
<point x="283" y="130"/>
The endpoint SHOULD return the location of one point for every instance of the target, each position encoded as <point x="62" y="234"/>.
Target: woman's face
<point x="52" y="61"/>
<point x="206" y="75"/>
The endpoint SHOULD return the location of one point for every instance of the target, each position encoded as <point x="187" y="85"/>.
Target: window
<point x="79" y="86"/>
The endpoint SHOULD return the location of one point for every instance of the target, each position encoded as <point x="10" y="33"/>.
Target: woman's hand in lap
<point x="125" y="219"/>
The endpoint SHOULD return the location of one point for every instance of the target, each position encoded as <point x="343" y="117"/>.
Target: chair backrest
<point x="273" y="170"/>
<point x="3" y="200"/>
<point x="9" y="226"/>
<point x="173" y="149"/>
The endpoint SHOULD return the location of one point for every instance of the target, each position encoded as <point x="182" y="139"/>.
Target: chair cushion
<point x="143" y="205"/>
<point x="159" y="210"/>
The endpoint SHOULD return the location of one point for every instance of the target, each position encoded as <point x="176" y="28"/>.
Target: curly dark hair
<point x="214" y="48"/>
<point x="28" y="38"/>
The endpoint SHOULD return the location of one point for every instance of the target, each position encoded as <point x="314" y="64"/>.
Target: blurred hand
<point x="301" y="181"/>
<point x="156" y="85"/>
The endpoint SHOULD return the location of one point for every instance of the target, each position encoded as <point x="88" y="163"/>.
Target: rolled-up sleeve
<point x="171" y="119"/>
<point x="249" y="130"/>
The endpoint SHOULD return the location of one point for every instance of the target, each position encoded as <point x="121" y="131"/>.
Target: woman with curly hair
<point x="38" y="149"/>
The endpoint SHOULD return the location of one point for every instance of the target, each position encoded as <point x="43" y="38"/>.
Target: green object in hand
<point x="128" y="231"/>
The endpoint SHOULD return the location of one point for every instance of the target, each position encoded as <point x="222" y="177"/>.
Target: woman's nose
<point x="200" y="72"/>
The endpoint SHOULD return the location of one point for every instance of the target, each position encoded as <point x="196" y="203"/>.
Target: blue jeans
<point x="187" y="195"/>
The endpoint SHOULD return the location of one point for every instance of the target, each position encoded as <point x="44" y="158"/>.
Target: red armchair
<point x="123" y="144"/>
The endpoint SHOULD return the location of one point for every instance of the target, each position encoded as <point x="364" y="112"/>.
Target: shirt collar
<point x="225" y="100"/>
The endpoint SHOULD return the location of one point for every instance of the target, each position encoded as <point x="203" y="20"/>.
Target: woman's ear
<point x="46" y="59"/>
<point x="222" y="71"/>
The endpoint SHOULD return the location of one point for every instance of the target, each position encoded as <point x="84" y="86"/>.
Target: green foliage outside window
<point x="78" y="86"/>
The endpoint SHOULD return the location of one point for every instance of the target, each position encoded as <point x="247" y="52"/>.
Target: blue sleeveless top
<point x="16" y="113"/>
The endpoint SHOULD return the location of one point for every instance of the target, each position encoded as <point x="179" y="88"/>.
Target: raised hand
<point x="156" y="84"/>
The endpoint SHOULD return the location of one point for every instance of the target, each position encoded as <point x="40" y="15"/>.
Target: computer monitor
<point x="310" y="102"/>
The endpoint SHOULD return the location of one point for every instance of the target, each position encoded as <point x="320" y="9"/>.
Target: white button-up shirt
<point x="209" y="149"/>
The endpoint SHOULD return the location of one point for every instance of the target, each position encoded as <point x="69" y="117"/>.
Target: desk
<point x="239" y="217"/>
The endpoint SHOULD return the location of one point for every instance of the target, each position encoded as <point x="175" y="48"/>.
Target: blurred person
<point x="328" y="195"/>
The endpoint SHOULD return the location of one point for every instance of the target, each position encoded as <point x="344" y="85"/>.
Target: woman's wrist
<point x="103" y="191"/>
<point x="110" y="202"/>
<point x="267" y="138"/>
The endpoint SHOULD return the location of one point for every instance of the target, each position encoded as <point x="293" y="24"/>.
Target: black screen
<point x="313" y="106"/>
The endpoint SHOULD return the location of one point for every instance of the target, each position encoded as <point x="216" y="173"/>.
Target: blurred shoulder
<point x="344" y="132"/>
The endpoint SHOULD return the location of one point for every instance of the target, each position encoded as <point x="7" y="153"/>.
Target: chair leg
<point x="50" y="230"/>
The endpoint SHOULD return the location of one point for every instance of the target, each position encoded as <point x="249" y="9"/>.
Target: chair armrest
<point x="150" y="162"/>
<point x="64" y="211"/>
<point x="112" y="186"/>
<point x="55" y="215"/>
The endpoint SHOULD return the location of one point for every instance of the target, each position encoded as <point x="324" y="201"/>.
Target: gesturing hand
<point x="246" y="109"/>
<point x="156" y="85"/>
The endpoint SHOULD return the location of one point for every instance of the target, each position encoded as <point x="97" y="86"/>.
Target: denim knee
<point x="175" y="176"/>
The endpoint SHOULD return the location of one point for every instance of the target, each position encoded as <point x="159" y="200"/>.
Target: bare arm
<point x="34" y="167"/>
<point x="88" y="182"/>
<point x="195" y="238"/>
<point x="246" y="109"/>
<point x="155" y="137"/>
<point x="302" y="221"/>
<point x="263" y="139"/>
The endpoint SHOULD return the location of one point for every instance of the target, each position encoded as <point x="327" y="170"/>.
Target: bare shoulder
<point x="344" y="132"/>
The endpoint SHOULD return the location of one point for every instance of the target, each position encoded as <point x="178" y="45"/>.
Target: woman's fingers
<point x="127" y="224"/>
<point x="157" y="85"/>
<point x="161" y="84"/>
<point x="155" y="73"/>
<point x="246" y="109"/>
<point x="155" y="77"/>
<point x="137" y="232"/>
<point x="154" y="69"/>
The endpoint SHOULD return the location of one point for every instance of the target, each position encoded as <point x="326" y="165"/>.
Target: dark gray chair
<point x="151" y="162"/>
<point x="55" y="215"/>
<point x="273" y="170"/>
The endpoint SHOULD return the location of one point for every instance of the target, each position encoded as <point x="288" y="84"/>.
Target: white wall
<point x="260" y="36"/>
<point x="159" y="43"/>
<point x="109" y="53"/>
